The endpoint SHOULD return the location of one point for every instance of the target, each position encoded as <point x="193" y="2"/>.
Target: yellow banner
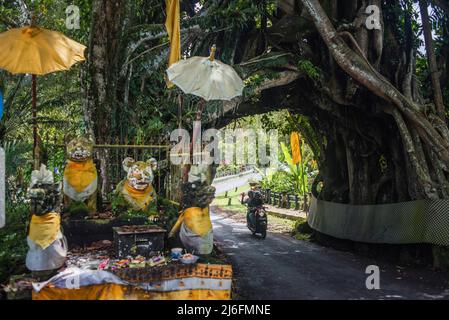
<point x="173" y="26"/>
<point x="121" y="292"/>
<point x="295" y="141"/>
<point x="171" y="282"/>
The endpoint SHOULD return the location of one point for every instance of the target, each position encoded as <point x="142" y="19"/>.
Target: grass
<point x="234" y="196"/>
<point x="275" y="224"/>
<point x="281" y="221"/>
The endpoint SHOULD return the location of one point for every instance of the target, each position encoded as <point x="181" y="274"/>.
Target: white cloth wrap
<point x="51" y="258"/>
<point x="196" y="243"/>
<point x="74" y="278"/>
<point x="79" y="196"/>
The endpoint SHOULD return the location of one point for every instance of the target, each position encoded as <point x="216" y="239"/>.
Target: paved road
<point x="236" y="182"/>
<point x="281" y="267"/>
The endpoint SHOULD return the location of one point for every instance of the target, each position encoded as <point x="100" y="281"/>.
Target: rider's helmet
<point x="253" y="183"/>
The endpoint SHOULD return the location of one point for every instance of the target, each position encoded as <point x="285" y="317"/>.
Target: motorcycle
<point x="259" y="223"/>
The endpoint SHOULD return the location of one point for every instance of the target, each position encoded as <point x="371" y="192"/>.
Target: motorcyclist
<point x="253" y="199"/>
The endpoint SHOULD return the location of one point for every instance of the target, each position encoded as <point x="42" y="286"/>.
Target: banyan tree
<point x="369" y="87"/>
<point x="370" y="97"/>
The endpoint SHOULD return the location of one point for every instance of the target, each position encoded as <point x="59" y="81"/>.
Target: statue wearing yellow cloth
<point x="47" y="245"/>
<point x="136" y="191"/>
<point x="194" y="224"/>
<point x="80" y="178"/>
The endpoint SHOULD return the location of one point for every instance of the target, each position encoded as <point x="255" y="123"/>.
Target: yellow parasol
<point x="37" y="51"/>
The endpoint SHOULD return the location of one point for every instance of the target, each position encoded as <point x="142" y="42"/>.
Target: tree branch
<point x="360" y="70"/>
<point x="284" y="78"/>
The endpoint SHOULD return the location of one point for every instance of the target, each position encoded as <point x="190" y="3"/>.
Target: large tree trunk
<point x="103" y="74"/>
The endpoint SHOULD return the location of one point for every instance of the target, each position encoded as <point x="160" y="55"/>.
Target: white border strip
<point x="2" y="188"/>
<point x="193" y="283"/>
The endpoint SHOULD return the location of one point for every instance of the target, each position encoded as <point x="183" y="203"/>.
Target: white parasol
<point x="206" y="77"/>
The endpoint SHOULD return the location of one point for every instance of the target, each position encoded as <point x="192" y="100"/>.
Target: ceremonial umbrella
<point x="207" y="78"/>
<point x="37" y="51"/>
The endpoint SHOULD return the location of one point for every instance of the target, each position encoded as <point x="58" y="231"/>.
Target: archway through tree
<point x="379" y="139"/>
<point x="366" y="92"/>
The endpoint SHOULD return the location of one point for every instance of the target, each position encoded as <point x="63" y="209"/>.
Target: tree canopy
<point x="368" y="100"/>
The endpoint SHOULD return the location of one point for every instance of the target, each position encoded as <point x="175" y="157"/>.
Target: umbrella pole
<point x="34" y="94"/>
<point x="196" y="133"/>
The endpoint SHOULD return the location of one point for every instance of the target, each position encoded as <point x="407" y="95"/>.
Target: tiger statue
<point x="136" y="191"/>
<point x="80" y="182"/>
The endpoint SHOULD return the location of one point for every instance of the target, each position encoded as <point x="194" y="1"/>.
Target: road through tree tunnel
<point x="378" y="139"/>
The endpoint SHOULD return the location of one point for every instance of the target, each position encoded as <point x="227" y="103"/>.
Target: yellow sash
<point x="140" y="198"/>
<point x="44" y="229"/>
<point x="80" y="175"/>
<point x="198" y="220"/>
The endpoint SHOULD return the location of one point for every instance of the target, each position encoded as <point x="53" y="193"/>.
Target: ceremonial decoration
<point x="47" y="245"/>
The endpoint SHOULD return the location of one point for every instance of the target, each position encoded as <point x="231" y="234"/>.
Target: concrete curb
<point x="284" y="216"/>
<point x="233" y="176"/>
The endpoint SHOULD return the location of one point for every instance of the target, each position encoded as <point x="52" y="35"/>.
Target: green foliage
<point x="122" y="209"/>
<point x="13" y="245"/>
<point x="77" y="210"/>
<point x="228" y="168"/>
<point x="302" y="231"/>
<point x="241" y="13"/>
<point x="293" y="178"/>
<point x="309" y="68"/>
<point x="296" y="172"/>
<point x="169" y="213"/>
<point x="280" y="181"/>
<point x="17" y="169"/>
<point x="164" y="210"/>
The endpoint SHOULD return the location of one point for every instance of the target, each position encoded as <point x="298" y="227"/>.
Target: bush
<point x="280" y="181"/>
<point x="302" y="230"/>
<point x="13" y="245"/>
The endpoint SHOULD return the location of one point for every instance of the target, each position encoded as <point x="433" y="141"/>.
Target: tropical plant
<point x="296" y="172"/>
<point x="17" y="168"/>
<point x="293" y="178"/>
<point x="13" y="246"/>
